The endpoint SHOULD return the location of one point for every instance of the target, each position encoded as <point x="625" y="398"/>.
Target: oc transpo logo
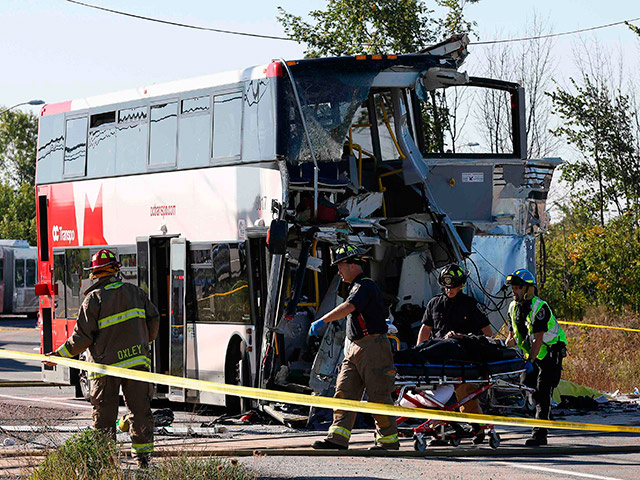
<point x="59" y="234"/>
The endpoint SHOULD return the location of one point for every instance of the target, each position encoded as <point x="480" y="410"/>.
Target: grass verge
<point x="89" y="455"/>
<point x="605" y="359"/>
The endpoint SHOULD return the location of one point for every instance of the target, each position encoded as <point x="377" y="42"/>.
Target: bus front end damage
<point x="369" y="155"/>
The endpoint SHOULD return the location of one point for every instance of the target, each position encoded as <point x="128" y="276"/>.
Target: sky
<point x="56" y="51"/>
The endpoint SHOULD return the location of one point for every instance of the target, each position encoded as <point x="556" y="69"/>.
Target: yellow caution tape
<point x="8" y="329"/>
<point x="310" y="400"/>
<point x="580" y="324"/>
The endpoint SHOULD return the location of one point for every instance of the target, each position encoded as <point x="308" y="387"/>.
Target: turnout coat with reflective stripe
<point x="552" y="335"/>
<point x="116" y="323"/>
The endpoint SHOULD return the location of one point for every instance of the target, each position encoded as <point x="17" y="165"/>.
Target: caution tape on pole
<point x="593" y="325"/>
<point x="311" y="400"/>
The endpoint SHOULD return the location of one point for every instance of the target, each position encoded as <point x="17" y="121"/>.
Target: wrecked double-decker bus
<point x="224" y="194"/>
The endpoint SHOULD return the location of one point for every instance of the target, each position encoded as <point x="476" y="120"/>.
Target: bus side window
<point x="75" y="148"/>
<point x="163" y="134"/>
<point x="194" y="142"/>
<point x="227" y="126"/>
<point x="76" y="278"/>
<point x="132" y="132"/>
<point x="1" y="269"/>
<point x="101" y="156"/>
<point x="129" y="268"/>
<point x="59" y="277"/>
<point x="19" y="273"/>
<point x="30" y="273"/>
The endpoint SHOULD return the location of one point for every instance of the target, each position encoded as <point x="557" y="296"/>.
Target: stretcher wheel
<point x="494" y="440"/>
<point x="454" y="441"/>
<point x="419" y="444"/>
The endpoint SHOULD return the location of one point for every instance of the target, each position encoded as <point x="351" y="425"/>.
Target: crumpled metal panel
<point x="495" y="257"/>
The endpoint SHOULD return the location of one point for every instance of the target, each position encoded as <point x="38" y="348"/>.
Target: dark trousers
<point x="544" y="378"/>
<point x="137" y="396"/>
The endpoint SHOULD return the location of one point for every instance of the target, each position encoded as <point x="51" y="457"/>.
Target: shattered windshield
<point x="331" y="92"/>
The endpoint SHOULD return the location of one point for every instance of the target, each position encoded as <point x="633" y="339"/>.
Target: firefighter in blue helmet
<point x="536" y="331"/>
<point x="368" y="364"/>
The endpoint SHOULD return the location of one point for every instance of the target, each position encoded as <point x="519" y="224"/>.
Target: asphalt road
<point x="286" y="453"/>
<point x="19" y="333"/>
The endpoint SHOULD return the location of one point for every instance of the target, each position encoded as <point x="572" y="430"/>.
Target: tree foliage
<point x="374" y="26"/>
<point x="18" y="140"/>
<point x="18" y="143"/>
<point x="600" y="125"/>
<point x="592" y="265"/>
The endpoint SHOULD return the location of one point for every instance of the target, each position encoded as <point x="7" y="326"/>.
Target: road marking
<point x="557" y="470"/>
<point x="46" y="400"/>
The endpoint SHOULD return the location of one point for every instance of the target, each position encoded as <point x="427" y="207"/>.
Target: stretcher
<point x="433" y="385"/>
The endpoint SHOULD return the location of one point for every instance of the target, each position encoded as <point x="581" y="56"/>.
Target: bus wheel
<point x="237" y="372"/>
<point x="83" y="386"/>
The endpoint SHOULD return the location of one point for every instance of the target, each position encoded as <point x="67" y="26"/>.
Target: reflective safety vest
<point x="553" y="335"/>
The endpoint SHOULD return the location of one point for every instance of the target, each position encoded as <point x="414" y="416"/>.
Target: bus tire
<point x="237" y="371"/>
<point x="83" y="384"/>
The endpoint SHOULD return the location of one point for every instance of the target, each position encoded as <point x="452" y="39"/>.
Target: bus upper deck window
<point x="131" y="140"/>
<point x="227" y="125"/>
<point x="75" y="149"/>
<point x="163" y="134"/>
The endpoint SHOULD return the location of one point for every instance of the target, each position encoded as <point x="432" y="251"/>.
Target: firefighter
<point x="449" y="315"/>
<point x="536" y="331"/>
<point x="368" y="364"/>
<point x="117" y="323"/>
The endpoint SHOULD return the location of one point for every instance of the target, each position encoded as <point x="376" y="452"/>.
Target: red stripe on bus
<point x="274" y="70"/>
<point x="53" y="108"/>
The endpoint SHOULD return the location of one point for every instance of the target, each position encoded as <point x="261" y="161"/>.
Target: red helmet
<point x="103" y="258"/>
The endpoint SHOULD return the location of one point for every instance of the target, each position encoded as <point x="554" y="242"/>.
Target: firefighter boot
<point x="537" y="439"/>
<point x="143" y="460"/>
<point x="327" y="445"/>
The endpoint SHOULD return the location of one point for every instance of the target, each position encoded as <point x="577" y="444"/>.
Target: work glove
<point x="528" y="367"/>
<point x="315" y="328"/>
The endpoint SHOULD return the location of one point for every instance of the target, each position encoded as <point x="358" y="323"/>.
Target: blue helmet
<point x="522" y="277"/>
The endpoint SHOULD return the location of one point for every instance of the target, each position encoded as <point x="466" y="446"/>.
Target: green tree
<point x="600" y="125"/>
<point x="374" y="26"/>
<point x="18" y="140"/>
<point x="18" y="143"/>
<point x="17" y="212"/>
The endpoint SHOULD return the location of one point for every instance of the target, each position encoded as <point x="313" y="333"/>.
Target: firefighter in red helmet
<point x="117" y="323"/>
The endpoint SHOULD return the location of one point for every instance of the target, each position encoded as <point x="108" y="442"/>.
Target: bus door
<point x="182" y="356"/>
<point x="153" y="255"/>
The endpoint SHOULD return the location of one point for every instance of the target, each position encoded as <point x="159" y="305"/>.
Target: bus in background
<point x="183" y="181"/>
<point x="18" y="277"/>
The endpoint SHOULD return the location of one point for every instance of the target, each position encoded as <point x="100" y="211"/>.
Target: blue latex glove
<point x="316" y="326"/>
<point x="528" y="367"/>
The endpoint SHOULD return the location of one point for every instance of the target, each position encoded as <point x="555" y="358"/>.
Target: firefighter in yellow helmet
<point x="536" y="331"/>
<point x="116" y="323"/>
